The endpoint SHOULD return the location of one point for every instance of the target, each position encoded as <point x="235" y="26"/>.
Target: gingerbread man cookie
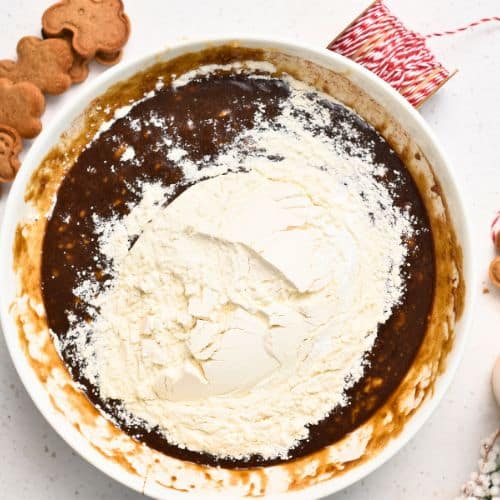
<point x="10" y="146"/>
<point x="98" y="27"/>
<point x="76" y="31"/>
<point x="45" y="63"/>
<point x="21" y="105"/>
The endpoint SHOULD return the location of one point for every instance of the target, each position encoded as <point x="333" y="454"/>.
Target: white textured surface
<point x="37" y="464"/>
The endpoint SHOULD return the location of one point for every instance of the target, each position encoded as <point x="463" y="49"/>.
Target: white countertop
<point x="465" y="115"/>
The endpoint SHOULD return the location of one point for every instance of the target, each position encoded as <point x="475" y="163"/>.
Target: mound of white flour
<point x="246" y="306"/>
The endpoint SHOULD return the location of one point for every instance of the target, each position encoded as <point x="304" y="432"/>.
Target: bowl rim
<point x="324" y="57"/>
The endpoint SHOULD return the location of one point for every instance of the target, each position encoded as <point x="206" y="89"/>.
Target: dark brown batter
<point x="205" y="116"/>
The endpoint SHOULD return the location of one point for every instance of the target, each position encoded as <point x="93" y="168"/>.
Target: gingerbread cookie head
<point x="10" y="146"/>
<point x="45" y="63"/>
<point x="21" y="105"/>
<point x="98" y="26"/>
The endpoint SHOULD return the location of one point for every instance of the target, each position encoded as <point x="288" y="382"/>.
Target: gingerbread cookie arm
<point x="7" y="67"/>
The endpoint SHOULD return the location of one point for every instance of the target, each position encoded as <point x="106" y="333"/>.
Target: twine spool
<point x="378" y="40"/>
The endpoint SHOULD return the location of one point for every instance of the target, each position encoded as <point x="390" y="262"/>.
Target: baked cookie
<point x="10" y="146"/>
<point x="21" y="105"/>
<point x="45" y="63"/>
<point x="98" y="27"/>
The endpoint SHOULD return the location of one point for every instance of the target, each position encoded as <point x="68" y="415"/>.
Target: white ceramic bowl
<point x="373" y="86"/>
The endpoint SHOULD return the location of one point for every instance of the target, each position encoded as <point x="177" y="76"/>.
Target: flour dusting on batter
<point x="240" y="312"/>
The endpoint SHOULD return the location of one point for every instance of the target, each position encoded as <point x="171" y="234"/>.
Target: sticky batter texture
<point x="279" y="248"/>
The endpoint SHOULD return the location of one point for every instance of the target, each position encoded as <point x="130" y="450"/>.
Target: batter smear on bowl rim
<point x="238" y="269"/>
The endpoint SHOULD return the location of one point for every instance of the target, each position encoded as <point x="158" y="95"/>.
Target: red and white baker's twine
<point x="495" y="231"/>
<point x="464" y="28"/>
<point x="379" y="41"/>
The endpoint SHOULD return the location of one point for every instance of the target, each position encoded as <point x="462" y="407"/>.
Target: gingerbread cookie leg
<point x="108" y="59"/>
<point x="80" y="69"/>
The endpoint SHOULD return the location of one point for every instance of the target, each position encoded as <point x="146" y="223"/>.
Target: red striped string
<point x="495" y="231"/>
<point x="379" y="41"/>
<point x="464" y="28"/>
